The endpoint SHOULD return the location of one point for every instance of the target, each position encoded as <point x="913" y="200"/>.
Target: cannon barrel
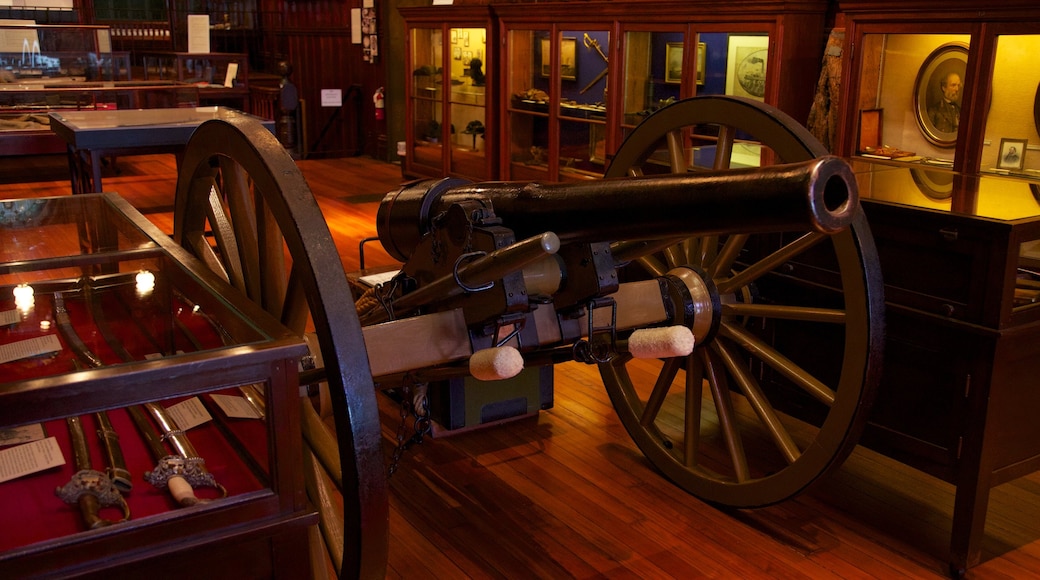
<point x="819" y="194"/>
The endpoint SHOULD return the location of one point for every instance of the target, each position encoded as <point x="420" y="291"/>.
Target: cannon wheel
<point x="244" y="209"/>
<point x="740" y="445"/>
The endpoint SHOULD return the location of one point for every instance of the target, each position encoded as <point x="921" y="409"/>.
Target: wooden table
<point x="94" y="135"/>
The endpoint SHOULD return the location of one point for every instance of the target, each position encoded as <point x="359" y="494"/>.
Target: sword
<point x="602" y="74"/>
<point x="117" y="471"/>
<point x="181" y="471"/>
<point x="89" y="488"/>
<point x="593" y="43"/>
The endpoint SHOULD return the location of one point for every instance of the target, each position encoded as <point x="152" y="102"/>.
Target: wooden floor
<point x="566" y="494"/>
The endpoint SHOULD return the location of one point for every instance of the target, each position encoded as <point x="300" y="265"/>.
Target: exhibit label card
<point x="30" y="458"/>
<point x="198" y="33"/>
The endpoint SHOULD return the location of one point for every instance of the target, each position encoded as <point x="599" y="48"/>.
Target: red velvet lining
<point x="32" y="511"/>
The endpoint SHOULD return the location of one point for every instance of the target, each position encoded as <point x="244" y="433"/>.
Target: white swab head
<point x="496" y="364"/>
<point x="665" y="342"/>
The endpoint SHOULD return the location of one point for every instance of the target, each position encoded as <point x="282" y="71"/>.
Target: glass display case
<point x="222" y="78"/>
<point x="559" y="100"/>
<point x="52" y="54"/>
<point x="123" y="362"/>
<point x="943" y="88"/>
<point x="574" y="89"/>
<point x="449" y="127"/>
<point x="46" y="68"/>
<point x="575" y="83"/>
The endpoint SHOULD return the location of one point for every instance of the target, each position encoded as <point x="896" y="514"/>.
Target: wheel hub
<point x="698" y="299"/>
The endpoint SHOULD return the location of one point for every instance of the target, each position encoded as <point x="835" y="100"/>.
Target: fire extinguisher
<point x="377" y="98"/>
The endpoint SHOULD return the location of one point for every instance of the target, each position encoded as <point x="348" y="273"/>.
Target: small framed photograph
<point x="456" y="53"/>
<point x="1012" y="154"/>
<point x="673" y="57"/>
<point x="454" y="36"/>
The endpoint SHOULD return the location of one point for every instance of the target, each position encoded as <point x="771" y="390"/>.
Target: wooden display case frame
<point x="266" y="528"/>
<point x="425" y="159"/>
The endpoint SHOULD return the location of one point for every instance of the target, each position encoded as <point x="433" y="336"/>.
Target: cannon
<point x="718" y="283"/>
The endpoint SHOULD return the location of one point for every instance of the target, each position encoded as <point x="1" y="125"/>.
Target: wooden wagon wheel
<point x="244" y="208"/>
<point x="781" y="379"/>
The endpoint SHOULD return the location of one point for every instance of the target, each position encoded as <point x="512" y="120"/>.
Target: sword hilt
<point x="92" y="490"/>
<point x="181" y="475"/>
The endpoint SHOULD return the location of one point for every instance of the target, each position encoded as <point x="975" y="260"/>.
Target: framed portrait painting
<point x="568" y="58"/>
<point x="938" y="91"/>
<point x="673" y="57"/>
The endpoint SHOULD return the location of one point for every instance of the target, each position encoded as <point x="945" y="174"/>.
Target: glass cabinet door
<point x="1011" y="143"/>
<point x="583" y="68"/>
<point x="910" y="97"/>
<point x="527" y="113"/>
<point x="654" y="69"/>
<point x="427" y="98"/>
<point x="467" y="102"/>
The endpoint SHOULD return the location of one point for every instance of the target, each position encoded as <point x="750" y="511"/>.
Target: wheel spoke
<point x="295" y="310"/>
<point x="224" y="235"/>
<point x="271" y="248"/>
<point x="675" y="256"/>
<point x="779" y="362"/>
<point x="770" y="262"/>
<point x="676" y="151"/>
<point x="720" y="394"/>
<point x="237" y="192"/>
<point x="759" y="403"/>
<point x="730" y="251"/>
<point x="724" y="147"/>
<point x="652" y="265"/>
<point x="785" y="312"/>
<point x="661" y="388"/>
<point x="694" y="403"/>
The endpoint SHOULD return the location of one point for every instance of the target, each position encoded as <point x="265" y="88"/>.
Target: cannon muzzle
<point x="819" y="195"/>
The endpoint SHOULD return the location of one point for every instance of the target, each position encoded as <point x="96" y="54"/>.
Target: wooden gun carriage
<point x="722" y="285"/>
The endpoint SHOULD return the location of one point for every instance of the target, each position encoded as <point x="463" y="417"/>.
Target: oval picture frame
<point x="1036" y="109"/>
<point x="928" y="93"/>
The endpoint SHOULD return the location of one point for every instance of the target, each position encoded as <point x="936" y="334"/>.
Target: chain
<point x="416" y="403"/>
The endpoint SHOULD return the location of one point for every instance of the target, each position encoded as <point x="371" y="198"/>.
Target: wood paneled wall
<point x="314" y="35"/>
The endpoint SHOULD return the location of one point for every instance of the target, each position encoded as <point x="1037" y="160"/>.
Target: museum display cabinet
<point x="222" y="78"/>
<point x="47" y="68"/>
<point x="960" y="256"/>
<point x="575" y="83"/>
<point x="450" y="126"/>
<point x="943" y="84"/>
<point x="108" y="330"/>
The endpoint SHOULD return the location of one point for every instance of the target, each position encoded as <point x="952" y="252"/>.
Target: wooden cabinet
<point x="960" y="256"/>
<point x="450" y="63"/>
<point x="576" y="82"/>
<point x="102" y="313"/>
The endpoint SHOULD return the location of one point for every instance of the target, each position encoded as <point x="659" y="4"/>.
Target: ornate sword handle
<point x="92" y="490"/>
